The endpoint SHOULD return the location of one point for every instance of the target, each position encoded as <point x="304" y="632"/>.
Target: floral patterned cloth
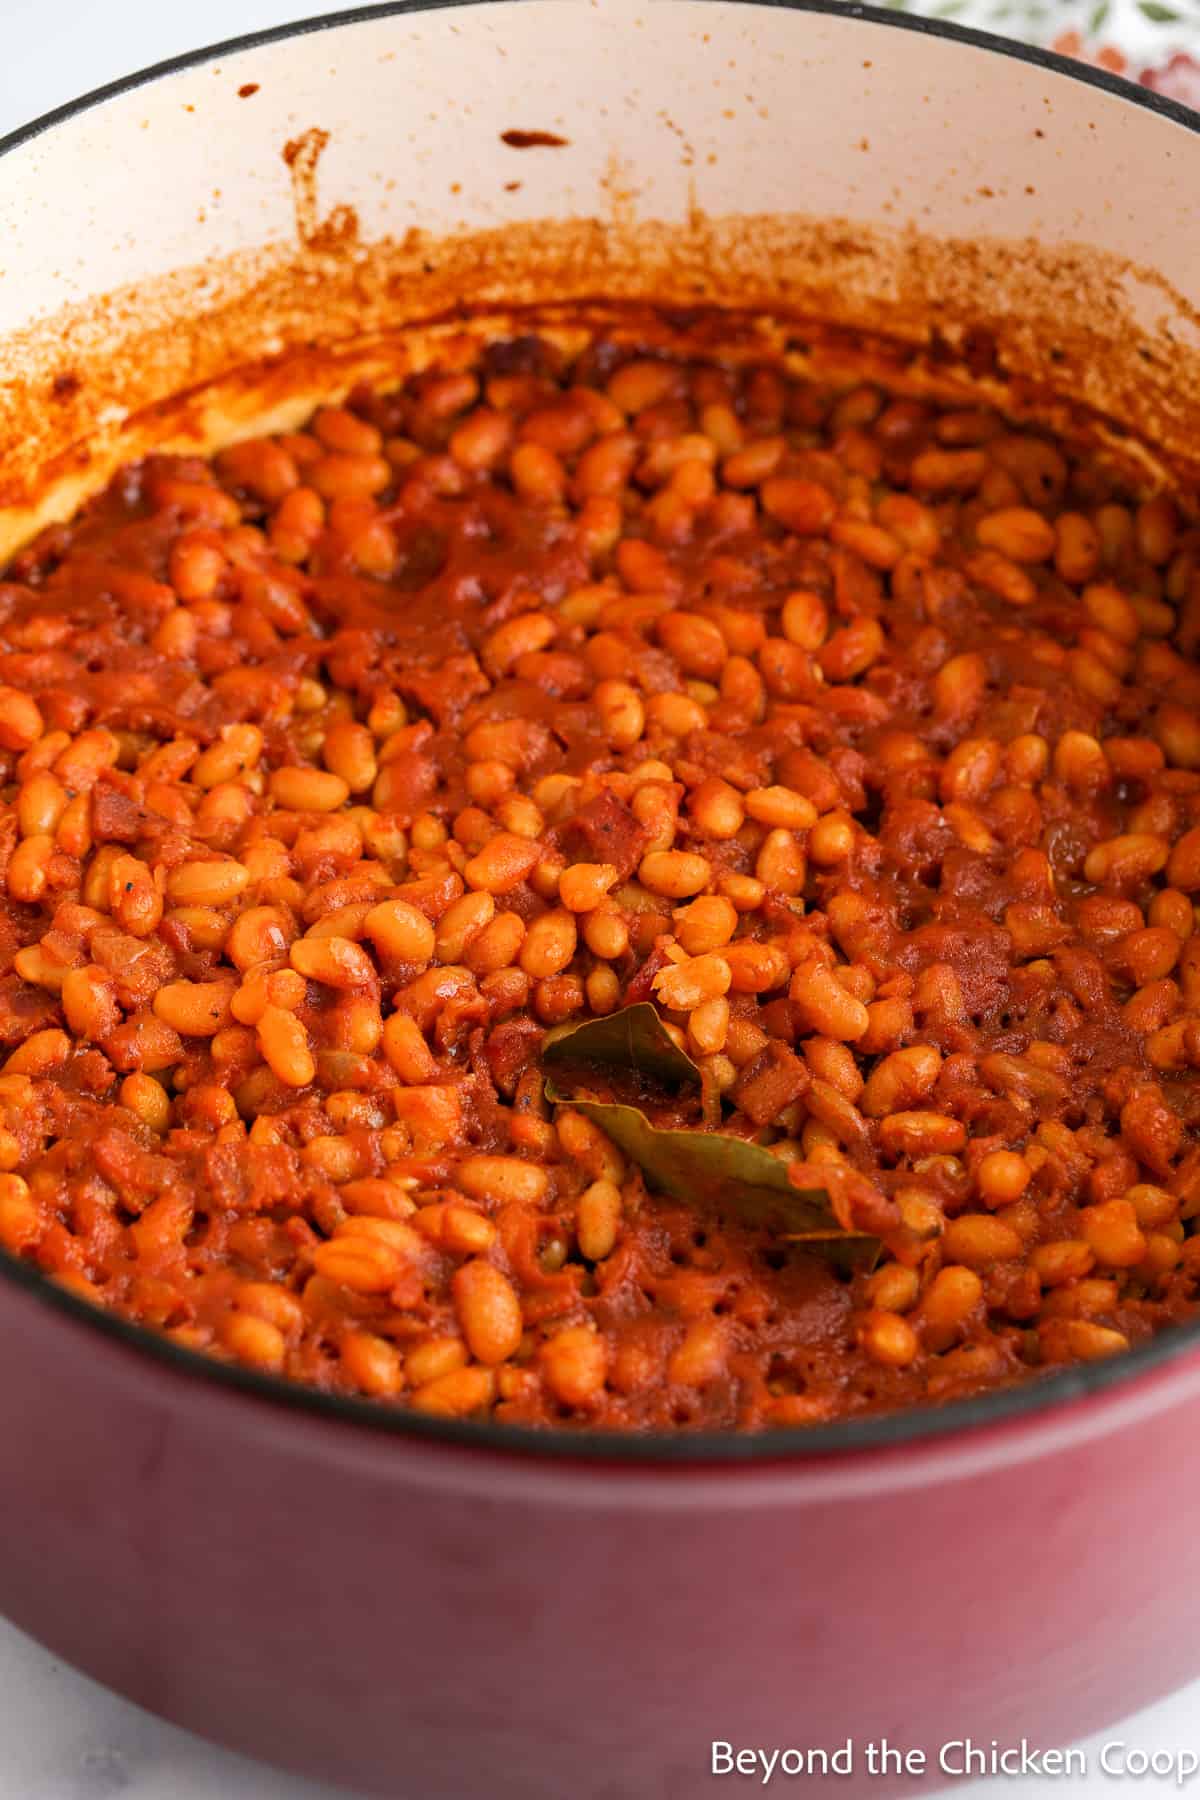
<point x="1156" y="42"/>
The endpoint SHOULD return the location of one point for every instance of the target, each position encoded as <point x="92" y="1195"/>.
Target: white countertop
<point x="61" y="1736"/>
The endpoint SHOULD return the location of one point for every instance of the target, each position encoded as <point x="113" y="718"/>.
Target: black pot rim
<point x="782" y="1446"/>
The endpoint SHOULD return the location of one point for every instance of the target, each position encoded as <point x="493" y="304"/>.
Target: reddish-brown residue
<point x="247" y="88"/>
<point x="533" y="140"/>
<point x="241" y="336"/>
<point x="302" y="154"/>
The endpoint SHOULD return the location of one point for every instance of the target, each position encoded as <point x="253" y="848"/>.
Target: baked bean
<point x="605" y="932"/>
<point x="370" y="1364"/>
<point x="894" y="1288"/>
<point x="537" y="474"/>
<point x="1066" y="1260"/>
<point x="900" y="1079"/>
<point x="347" y="474"/>
<point x="148" y="1100"/>
<point x="349" y="753"/>
<point x="1018" y="533"/>
<point x="337" y="428"/>
<point x="457" y="928"/>
<point x="755" y="968"/>
<point x="919" y="1133"/>
<point x="497" y="946"/>
<point x="912" y="523"/>
<point x="309" y="790"/>
<point x="674" y="873"/>
<point x="1148" y="955"/>
<point x="708" y="923"/>
<point x="743" y="688"/>
<point x="206" y="883"/>
<point x="89" y="1002"/>
<point x="831" y="840"/>
<point x="582" y="886"/>
<point x="574" y="1364"/>
<point x="1183" y="862"/>
<point x="1003" y="1176"/>
<point x="686" y="985"/>
<point x="502" y="864"/>
<point x="194" y="1008"/>
<point x="949" y="471"/>
<point x="254" y="1341"/>
<point x="456" y="1394"/>
<point x="1172" y="911"/>
<point x="337" y="962"/>
<point x="1002" y="576"/>
<point x="400" y="931"/>
<point x="1113" y="1234"/>
<point x="823" y="1005"/>
<point x="805" y="620"/>
<point x="284" y="1045"/>
<point x="406" y="1050"/>
<point x="695" y="643"/>
<point x="489" y="1311"/>
<point x="1122" y="861"/>
<point x="1091" y="1343"/>
<point x="1178" y="735"/>
<point x="621" y="711"/>
<point x="708" y="1027"/>
<point x="549" y="944"/>
<point x="502" y="1179"/>
<point x="780" y="807"/>
<point x="716" y="809"/>
<point x="256" y="935"/>
<point x="41" y="802"/>
<point x="20" y="720"/>
<point x="800" y="506"/>
<point x="977" y="1240"/>
<point x="959" y="685"/>
<point x="1077" y="548"/>
<point x="948" y="1304"/>
<point x="851" y="650"/>
<point x="888" y="1339"/>
<point x="29" y="867"/>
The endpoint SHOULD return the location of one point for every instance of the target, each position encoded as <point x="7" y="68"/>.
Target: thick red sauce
<point x="858" y="734"/>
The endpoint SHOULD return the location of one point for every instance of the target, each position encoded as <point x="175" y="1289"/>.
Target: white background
<point x="62" y="1737"/>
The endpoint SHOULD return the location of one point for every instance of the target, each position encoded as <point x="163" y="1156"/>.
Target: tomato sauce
<point x="857" y="734"/>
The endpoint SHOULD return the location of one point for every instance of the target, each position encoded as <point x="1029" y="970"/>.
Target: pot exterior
<point x="432" y="1626"/>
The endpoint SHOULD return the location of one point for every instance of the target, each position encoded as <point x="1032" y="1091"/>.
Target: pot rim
<point x="927" y="1425"/>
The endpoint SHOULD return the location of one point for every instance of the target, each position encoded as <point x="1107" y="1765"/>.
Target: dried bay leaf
<point x="712" y="1170"/>
<point x="718" y="1173"/>
<point x="634" y="1038"/>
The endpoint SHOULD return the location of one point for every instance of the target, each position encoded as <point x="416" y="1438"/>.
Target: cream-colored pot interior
<point x="208" y="249"/>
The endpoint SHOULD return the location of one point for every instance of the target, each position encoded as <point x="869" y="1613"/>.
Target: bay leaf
<point x="718" y="1173"/>
<point x="634" y="1038"/>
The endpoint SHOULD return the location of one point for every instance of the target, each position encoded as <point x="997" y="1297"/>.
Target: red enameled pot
<point x="437" y="1611"/>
